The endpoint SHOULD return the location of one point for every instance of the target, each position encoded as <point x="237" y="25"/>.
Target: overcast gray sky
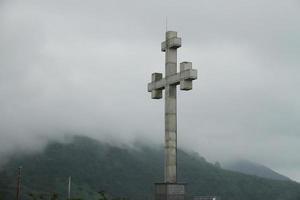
<point x="83" y="66"/>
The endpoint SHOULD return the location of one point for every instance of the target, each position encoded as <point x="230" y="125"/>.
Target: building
<point x="206" y="198"/>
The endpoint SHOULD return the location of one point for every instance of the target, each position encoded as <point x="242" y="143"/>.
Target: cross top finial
<point x="172" y="41"/>
<point x="171" y="34"/>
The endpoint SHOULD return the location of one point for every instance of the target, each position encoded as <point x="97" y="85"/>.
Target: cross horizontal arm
<point x="186" y="75"/>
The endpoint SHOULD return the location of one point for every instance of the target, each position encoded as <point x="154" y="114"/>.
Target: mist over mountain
<point x="83" y="67"/>
<point x="123" y="171"/>
<point x="252" y="168"/>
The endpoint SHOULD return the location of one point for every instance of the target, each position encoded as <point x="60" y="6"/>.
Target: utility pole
<point x="19" y="184"/>
<point x="69" y="188"/>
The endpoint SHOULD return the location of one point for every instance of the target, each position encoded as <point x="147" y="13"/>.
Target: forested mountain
<point x="130" y="172"/>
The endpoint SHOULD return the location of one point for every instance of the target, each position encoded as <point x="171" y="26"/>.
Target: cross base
<point x="169" y="191"/>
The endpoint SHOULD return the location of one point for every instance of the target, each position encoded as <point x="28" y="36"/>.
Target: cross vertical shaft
<point x="170" y="113"/>
<point x="170" y="189"/>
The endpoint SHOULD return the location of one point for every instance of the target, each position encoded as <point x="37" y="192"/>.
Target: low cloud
<point x="83" y="68"/>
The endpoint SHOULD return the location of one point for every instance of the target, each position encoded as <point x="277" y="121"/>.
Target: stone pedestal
<point x="169" y="191"/>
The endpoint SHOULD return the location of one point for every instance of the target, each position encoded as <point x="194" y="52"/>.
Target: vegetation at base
<point x="130" y="173"/>
<point x="54" y="196"/>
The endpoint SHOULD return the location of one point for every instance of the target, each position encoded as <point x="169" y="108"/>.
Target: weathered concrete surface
<point x="179" y="78"/>
<point x="170" y="111"/>
<point x="169" y="83"/>
<point x="169" y="191"/>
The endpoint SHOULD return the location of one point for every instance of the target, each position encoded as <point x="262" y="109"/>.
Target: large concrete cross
<point x="172" y="78"/>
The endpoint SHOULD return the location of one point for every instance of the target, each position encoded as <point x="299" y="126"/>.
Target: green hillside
<point x="128" y="172"/>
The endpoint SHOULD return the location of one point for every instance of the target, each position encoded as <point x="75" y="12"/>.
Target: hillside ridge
<point x="127" y="172"/>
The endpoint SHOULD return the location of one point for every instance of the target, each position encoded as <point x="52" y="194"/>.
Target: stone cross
<point x="172" y="78"/>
